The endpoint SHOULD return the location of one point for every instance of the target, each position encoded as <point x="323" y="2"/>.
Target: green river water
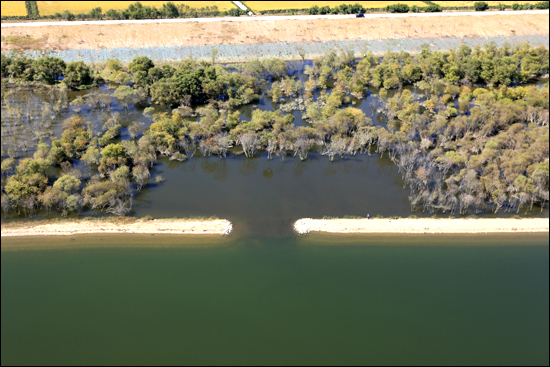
<point x="430" y="299"/>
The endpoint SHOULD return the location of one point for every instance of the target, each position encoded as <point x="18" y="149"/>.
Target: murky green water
<point x="272" y="300"/>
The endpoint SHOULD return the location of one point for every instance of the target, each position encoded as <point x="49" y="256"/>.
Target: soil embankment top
<point x="161" y="226"/>
<point x="108" y="36"/>
<point x="426" y="225"/>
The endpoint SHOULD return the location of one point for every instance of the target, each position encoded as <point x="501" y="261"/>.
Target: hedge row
<point x="169" y="10"/>
<point x="430" y="7"/>
<point x="134" y="11"/>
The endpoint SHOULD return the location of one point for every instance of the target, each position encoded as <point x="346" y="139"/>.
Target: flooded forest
<point x="461" y="132"/>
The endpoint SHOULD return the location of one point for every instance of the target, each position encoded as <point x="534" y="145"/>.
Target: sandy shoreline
<point x="84" y="226"/>
<point x="429" y="225"/>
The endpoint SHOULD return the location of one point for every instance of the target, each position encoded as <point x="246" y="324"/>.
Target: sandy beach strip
<point x="84" y="226"/>
<point x="428" y="225"/>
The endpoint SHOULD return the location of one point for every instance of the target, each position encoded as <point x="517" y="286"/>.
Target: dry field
<point x="13" y="8"/>
<point x="280" y="5"/>
<point x="269" y="31"/>
<point x="76" y="7"/>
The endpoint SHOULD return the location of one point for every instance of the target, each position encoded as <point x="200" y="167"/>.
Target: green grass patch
<point x="24" y="42"/>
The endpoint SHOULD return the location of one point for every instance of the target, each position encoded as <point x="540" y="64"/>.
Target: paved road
<point x="273" y="17"/>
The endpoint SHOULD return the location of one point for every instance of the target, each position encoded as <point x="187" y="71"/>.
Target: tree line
<point x="430" y="7"/>
<point x="463" y="134"/>
<point x="133" y="11"/>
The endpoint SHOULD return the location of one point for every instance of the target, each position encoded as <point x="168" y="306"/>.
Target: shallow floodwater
<point x="420" y="299"/>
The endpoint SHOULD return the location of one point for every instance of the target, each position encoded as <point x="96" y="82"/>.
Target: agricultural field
<point x="281" y="5"/>
<point x="13" y="8"/>
<point x="471" y="3"/>
<point x="76" y="7"/>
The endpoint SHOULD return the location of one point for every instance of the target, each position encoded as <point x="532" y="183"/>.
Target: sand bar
<point x="428" y="225"/>
<point x="84" y="226"/>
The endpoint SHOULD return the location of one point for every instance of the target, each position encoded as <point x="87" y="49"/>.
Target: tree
<point x="121" y="77"/>
<point x="28" y="183"/>
<point x="75" y="137"/>
<point x="432" y="8"/>
<point x="169" y="10"/>
<point x="135" y="129"/>
<point x="6" y="61"/>
<point x="213" y="55"/>
<point x="141" y="176"/>
<point x="113" y="14"/>
<point x="68" y="184"/>
<point x="48" y="69"/>
<point x="67" y="15"/>
<point x="249" y="142"/>
<point x="77" y="74"/>
<point x="397" y="8"/>
<point x="124" y="95"/>
<point x="314" y="10"/>
<point x="21" y="67"/>
<point x="481" y="6"/>
<point x="92" y="155"/>
<point x="112" y="157"/>
<point x="140" y="63"/>
<point x="95" y="13"/>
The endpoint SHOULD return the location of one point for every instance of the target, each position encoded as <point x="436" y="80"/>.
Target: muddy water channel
<point x="264" y="295"/>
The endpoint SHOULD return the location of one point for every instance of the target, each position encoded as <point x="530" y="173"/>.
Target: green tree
<point x="95" y="13"/>
<point x="140" y="63"/>
<point x="49" y="69"/>
<point x="76" y="74"/>
<point x="124" y="95"/>
<point x="481" y="6"/>
<point x="68" y="184"/>
<point x="112" y="157"/>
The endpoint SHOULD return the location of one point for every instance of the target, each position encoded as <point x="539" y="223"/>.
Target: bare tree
<point x="222" y="142"/>
<point x="188" y="145"/>
<point x="119" y="206"/>
<point x="249" y="141"/>
<point x="302" y="147"/>
<point x="135" y="129"/>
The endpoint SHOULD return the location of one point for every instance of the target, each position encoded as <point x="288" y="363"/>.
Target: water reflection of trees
<point x="249" y="166"/>
<point x="344" y="166"/>
<point x="298" y="167"/>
